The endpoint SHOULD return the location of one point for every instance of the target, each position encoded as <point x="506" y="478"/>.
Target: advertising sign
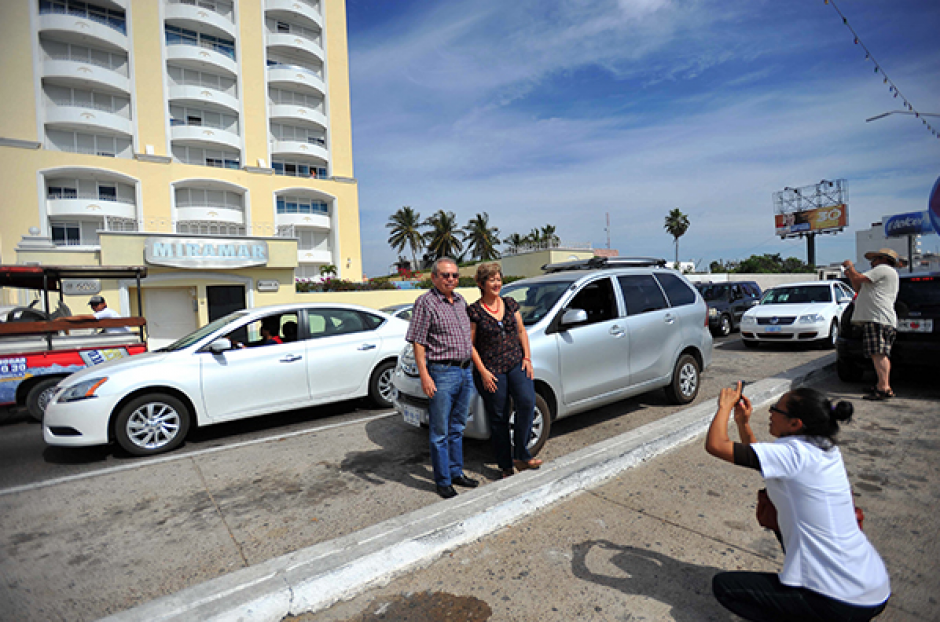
<point x="813" y="220"/>
<point x="200" y="253"/>
<point x="933" y="206"/>
<point x="912" y="223"/>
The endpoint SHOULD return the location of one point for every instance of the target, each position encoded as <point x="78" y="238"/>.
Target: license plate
<point x="412" y="415"/>
<point x="773" y="329"/>
<point x="915" y="326"/>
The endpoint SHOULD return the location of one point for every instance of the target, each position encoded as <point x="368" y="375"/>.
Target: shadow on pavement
<point x="685" y="587"/>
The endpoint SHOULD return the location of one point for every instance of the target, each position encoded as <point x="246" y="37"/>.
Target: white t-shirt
<point x="875" y="301"/>
<point x="108" y="313"/>
<point x="825" y="550"/>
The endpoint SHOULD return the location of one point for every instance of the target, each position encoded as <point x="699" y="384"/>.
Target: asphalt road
<point x="91" y="532"/>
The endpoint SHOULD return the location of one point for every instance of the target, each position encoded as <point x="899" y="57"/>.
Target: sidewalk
<point x="645" y="545"/>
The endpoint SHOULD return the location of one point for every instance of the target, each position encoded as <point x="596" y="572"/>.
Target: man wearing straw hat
<point x="874" y="310"/>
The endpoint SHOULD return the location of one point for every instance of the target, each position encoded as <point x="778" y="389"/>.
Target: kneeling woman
<point x="503" y="370"/>
<point x="831" y="572"/>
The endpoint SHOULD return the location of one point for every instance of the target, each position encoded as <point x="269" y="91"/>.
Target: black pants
<point x="759" y="596"/>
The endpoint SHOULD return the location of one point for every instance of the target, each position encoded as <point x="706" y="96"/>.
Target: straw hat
<point x="889" y="254"/>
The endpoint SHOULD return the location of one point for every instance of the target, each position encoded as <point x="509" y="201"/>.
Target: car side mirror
<point x="221" y="345"/>
<point x="573" y="316"/>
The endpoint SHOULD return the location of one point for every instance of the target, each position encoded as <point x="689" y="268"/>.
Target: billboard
<point x="912" y="223"/>
<point x="817" y="220"/>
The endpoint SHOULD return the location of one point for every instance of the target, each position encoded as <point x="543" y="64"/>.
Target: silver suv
<point x="600" y="330"/>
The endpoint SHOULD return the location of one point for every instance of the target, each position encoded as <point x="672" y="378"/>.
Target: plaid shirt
<point x="441" y="327"/>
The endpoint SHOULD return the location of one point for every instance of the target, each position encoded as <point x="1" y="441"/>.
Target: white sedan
<point x="797" y="312"/>
<point x="251" y="362"/>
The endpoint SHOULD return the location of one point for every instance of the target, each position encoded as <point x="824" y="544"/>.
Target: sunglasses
<point x="449" y="275"/>
<point x="779" y="411"/>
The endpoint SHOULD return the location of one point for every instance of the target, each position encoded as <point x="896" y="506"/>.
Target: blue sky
<point x="562" y="111"/>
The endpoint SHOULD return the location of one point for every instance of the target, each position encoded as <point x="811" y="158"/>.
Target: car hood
<point x="791" y="309"/>
<point x="136" y="362"/>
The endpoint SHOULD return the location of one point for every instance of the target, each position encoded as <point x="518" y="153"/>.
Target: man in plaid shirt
<point x="440" y="333"/>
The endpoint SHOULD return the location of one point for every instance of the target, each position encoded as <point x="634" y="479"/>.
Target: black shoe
<point x="464" y="481"/>
<point x="447" y="492"/>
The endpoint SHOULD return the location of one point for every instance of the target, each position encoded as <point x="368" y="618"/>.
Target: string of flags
<point x="892" y="87"/>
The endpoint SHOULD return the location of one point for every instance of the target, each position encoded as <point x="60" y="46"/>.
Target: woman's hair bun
<point x="842" y="411"/>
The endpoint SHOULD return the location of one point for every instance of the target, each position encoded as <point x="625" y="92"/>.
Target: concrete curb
<point x="314" y="578"/>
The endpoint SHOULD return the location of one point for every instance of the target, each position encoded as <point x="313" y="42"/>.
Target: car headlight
<point x="748" y="319"/>
<point x="811" y="318"/>
<point x="82" y="391"/>
<point x="406" y="361"/>
<point x="712" y="312"/>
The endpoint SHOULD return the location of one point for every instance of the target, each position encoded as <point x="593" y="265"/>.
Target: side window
<point x="270" y="330"/>
<point x="641" y="293"/>
<point x="370" y="322"/>
<point x="597" y="299"/>
<point x="330" y="322"/>
<point x="677" y="291"/>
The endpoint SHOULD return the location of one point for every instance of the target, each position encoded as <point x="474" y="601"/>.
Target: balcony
<point x="201" y="57"/>
<point x="314" y="256"/>
<point x="202" y="18"/>
<point x="210" y="213"/>
<point x="204" y="96"/>
<point x="88" y="117"/>
<point x="85" y="73"/>
<point x="205" y="136"/>
<point x="295" y="113"/>
<point x="307" y="221"/>
<point x="299" y="148"/>
<point x="79" y="27"/>
<point x="300" y="8"/>
<point x="296" y="76"/>
<point x="291" y="43"/>
<point x="90" y="205"/>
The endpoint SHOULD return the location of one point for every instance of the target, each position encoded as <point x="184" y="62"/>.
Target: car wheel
<point x="151" y="424"/>
<point x="685" y="380"/>
<point x="724" y="326"/>
<point x="751" y="343"/>
<point x="541" y="425"/>
<point x="38" y="397"/>
<point x="849" y="371"/>
<point x="380" y="385"/>
<point x="830" y="342"/>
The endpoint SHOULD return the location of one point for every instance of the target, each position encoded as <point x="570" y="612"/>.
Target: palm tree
<point x="677" y="224"/>
<point x="406" y="231"/>
<point x="534" y="238"/>
<point x="442" y="240"/>
<point x="482" y="238"/>
<point x="514" y="243"/>
<point x="548" y="236"/>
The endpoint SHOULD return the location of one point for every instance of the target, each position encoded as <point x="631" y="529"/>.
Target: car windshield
<point x="211" y="327"/>
<point x="715" y="292"/>
<point x="535" y="299"/>
<point x="918" y="294"/>
<point x="802" y="294"/>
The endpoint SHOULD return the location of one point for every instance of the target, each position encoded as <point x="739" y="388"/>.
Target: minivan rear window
<point x="676" y="290"/>
<point x="919" y="293"/>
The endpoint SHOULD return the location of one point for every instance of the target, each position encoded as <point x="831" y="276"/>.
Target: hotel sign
<point x="202" y="253"/>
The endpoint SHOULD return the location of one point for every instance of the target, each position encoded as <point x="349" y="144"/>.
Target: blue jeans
<point x="447" y="418"/>
<point x="759" y="596"/>
<point x="516" y="385"/>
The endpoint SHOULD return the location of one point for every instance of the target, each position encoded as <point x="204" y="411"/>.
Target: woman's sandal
<point x="878" y="395"/>
<point x="532" y="463"/>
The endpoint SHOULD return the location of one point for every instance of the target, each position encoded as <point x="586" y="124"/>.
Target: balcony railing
<point x="111" y="22"/>
<point x="225" y="50"/>
<point x="86" y="196"/>
<point x="210" y="204"/>
<point x="231" y="127"/>
<point x="299" y="31"/>
<point x="121" y="69"/>
<point x="212" y="87"/>
<point x="222" y="8"/>
<point x="125" y="112"/>
<point x="273" y="64"/>
<point x="124" y="153"/>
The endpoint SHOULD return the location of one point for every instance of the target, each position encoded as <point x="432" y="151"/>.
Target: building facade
<point x="197" y="128"/>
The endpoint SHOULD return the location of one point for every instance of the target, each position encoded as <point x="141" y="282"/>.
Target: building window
<point x="66" y="234"/>
<point x="112" y="18"/>
<point x="182" y="36"/>
<point x="299" y="205"/>
<point x="296" y="169"/>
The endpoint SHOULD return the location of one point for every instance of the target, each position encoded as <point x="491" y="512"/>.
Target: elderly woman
<point x="503" y="370"/>
<point x="830" y="571"/>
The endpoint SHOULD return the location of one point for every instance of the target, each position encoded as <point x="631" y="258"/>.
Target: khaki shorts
<point x="877" y="338"/>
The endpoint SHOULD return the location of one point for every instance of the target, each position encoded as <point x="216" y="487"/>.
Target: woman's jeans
<point x="759" y="596"/>
<point x="516" y="385"/>
<point x="447" y="418"/>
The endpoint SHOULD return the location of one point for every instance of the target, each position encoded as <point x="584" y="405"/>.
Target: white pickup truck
<point x="38" y="348"/>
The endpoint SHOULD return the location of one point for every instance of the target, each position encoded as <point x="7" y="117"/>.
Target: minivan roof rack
<point x="597" y="263"/>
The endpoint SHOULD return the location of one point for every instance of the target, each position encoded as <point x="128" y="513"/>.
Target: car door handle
<point x="368" y="346"/>
<point x="290" y="358"/>
<point x="669" y="318"/>
<point x="616" y="331"/>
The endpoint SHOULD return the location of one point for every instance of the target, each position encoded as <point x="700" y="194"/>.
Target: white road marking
<point x="144" y="462"/>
